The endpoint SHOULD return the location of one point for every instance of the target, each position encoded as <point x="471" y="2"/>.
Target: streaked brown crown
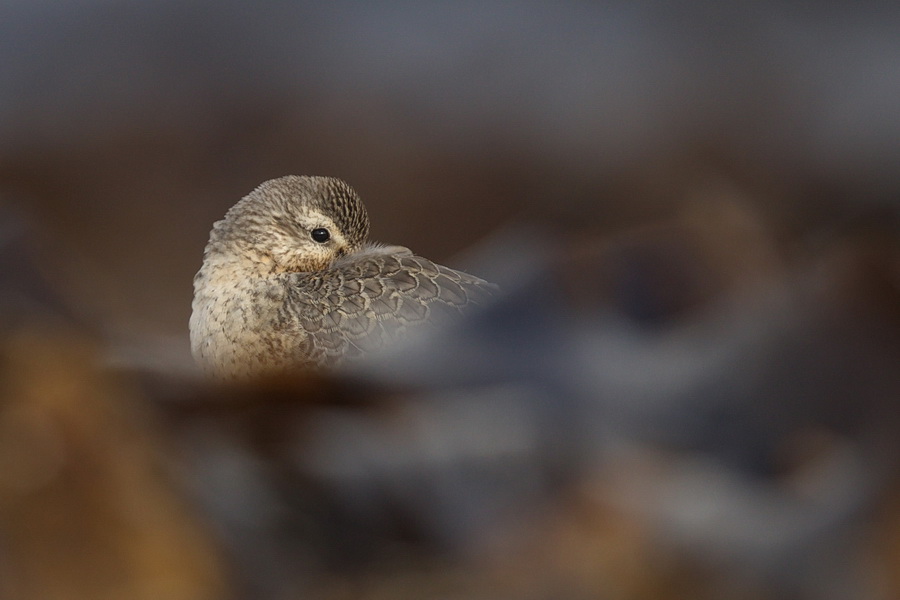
<point x="330" y="195"/>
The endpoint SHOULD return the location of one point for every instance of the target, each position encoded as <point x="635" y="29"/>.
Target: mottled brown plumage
<point x="273" y="296"/>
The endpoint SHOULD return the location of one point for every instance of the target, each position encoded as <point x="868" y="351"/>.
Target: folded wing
<point x="371" y="299"/>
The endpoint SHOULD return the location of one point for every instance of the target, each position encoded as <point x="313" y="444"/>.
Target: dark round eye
<point x="321" y="235"/>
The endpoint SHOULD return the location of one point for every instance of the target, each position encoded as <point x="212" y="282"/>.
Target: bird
<point x="290" y="282"/>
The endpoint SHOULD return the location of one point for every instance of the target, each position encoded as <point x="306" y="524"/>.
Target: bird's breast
<point x="231" y="324"/>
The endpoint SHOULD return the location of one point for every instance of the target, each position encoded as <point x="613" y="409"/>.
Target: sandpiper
<point x="289" y="281"/>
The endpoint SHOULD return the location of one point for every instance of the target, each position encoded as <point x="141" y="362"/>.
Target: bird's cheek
<point x="306" y="262"/>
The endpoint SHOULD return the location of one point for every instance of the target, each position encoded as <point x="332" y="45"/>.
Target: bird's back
<point x="370" y="299"/>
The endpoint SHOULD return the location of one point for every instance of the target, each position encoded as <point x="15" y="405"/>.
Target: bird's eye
<point x="320" y="235"/>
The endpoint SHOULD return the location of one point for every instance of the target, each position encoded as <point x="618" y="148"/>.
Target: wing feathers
<point x="365" y="300"/>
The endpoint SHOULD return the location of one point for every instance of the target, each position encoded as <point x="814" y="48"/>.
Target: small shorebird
<point x="289" y="281"/>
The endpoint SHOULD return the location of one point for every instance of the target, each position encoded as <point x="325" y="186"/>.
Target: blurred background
<point x="693" y="211"/>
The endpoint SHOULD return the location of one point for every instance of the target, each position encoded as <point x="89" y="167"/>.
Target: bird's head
<point x="294" y="224"/>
